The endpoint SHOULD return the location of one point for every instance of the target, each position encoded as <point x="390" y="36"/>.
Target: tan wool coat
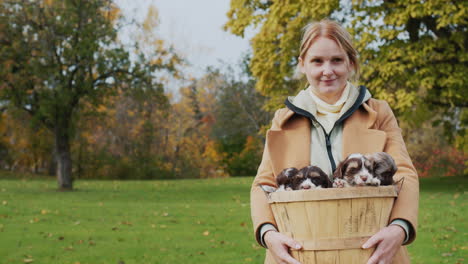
<point x="371" y="128"/>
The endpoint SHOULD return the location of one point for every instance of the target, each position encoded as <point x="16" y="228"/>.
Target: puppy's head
<point x="285" y="178"/>
<point x="311" y="177"/>
<point x="383" y="167"/>
<point x="356" y="169"/>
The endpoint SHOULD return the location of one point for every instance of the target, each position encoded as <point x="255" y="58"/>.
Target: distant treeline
<point x="76" y="101"/>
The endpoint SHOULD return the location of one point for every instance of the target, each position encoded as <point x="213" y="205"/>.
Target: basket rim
<point x="332" y="194"/>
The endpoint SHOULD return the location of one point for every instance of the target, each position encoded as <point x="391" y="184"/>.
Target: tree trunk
<point x="63" y="158"/>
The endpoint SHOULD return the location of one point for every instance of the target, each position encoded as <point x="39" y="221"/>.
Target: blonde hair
<point x="334" y="31"/>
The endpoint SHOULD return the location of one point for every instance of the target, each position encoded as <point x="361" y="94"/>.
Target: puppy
<point x="285" y="179"/>
<point x="355" y="170"/>
<point x="311" y="177"/>
<point x="383" y="167"/>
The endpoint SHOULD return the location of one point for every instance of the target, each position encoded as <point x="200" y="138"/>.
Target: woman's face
<point x="327" y="69"/>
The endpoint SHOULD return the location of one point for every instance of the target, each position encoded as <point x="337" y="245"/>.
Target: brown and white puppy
<point x="311" y="177"/>
<point x="355" y="170"/>
<point x="286" y="178"/>
<point x="383" y="167"/>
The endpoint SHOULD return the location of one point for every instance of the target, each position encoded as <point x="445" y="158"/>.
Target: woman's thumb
<point x="293" y="244"/>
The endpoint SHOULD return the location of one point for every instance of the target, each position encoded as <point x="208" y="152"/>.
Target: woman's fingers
<point x="292" y="243"/>
<point x="371" y="242"/>
<point x="279" y="246"/>
<point x="388" y="240"/>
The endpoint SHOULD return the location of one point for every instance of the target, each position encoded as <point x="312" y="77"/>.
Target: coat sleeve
<point x="407" y="203"/>
<point x="259" y="206"/>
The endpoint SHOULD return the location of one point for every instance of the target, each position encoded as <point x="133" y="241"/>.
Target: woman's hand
<point x="388" y="241"/>
<point x="279" y="245"/>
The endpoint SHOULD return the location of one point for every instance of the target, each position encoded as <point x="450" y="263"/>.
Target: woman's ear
<point x="300" y="65"/>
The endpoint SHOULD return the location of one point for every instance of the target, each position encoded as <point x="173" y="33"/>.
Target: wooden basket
<point x="332" y="224"/>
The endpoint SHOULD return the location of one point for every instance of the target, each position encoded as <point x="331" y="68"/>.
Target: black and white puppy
<point x="285" y="180"/>
<point x="355" y="170"/>
<point x="311" y="177"/>
<point x="383" y="167"/>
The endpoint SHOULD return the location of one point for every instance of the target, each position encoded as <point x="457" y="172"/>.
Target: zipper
<point x="354" y="107"/>
<point x="329" y="150"/>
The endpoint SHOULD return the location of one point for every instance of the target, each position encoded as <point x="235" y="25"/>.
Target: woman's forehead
<point x="324" y="47"/>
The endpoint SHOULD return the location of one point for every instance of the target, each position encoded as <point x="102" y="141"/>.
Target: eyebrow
<point x="332" y="56"/>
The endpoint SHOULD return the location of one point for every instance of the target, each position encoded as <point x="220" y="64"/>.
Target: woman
<point x="321" y="126"/>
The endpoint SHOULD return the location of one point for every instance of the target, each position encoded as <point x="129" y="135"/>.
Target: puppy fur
<point x="355" y="170"/>
<point x="286" y="178"/>
<point x="311" y="177"/>
<point x="360" y="170"/>
<point x="383" y="167"/>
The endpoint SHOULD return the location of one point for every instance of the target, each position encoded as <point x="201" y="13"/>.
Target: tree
<point x="55" y="54"/>
<point x="414" y="53"/>
<point x="240" y="119"/>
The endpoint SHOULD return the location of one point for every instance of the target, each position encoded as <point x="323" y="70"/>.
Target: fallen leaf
<point x="44" y="211"/>
<point x="28" y="260"/>
<point x="206" y="233"/>
<point x="456" y="195"/>
<point x="447" y="254"/>
<point x="5" y="202"/>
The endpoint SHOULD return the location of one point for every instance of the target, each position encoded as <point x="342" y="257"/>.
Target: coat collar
<point x="289" y="143"/>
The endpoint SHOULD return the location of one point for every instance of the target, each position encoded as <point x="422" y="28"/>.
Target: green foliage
<point x="56" y="56"/>
<point x="239" y="119"/>
<point x="275" y="46"/>
<point x="414" y="53"/>
<point x="56" y="53"/>
<point x="247" y="160"/>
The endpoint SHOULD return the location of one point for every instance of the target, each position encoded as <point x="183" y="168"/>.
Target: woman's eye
<point x="337" y="60"/>
<point x="316" y="61"/>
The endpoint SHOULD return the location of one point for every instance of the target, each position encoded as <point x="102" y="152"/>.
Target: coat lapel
<point x="362" y="139"/>
<point x="290" y="146"/>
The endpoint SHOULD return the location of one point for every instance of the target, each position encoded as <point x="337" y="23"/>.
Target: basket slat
<point x="332" y="224"/>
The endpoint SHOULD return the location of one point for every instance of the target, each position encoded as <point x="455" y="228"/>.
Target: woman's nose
<point x="327" y="70"/>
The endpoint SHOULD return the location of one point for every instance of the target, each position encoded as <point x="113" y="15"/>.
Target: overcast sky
<point x="194" y="27"/>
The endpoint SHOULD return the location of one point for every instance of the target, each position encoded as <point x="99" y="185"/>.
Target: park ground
<point x="181" y="221"/>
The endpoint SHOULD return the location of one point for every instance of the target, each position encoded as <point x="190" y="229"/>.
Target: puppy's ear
<point x="281" y="179"/>
<point x="301" y="173"/>
<point x="340" y="170"/>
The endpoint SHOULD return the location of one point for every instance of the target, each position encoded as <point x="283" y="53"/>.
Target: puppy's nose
<point x="306" y="187"/>
<point x="364" y="178"/>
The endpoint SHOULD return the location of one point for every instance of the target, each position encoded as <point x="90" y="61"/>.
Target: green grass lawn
<point x="184" y="221"/>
